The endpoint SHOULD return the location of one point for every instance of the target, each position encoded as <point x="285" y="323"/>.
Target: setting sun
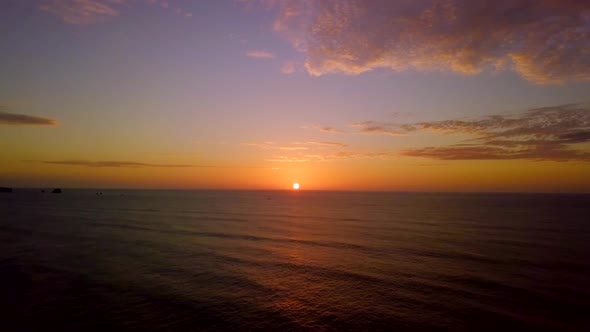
<point x="295" y="186"/>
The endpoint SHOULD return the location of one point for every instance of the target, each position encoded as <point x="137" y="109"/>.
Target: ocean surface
<point x="293" y="261"/>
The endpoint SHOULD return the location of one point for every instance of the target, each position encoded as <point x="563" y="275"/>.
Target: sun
<point x="295" y="186"/>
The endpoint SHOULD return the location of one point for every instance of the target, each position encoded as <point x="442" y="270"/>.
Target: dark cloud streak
<point x="548" y="133"/>
<point x="552" y="152"/>
<point x="373" y="127"/>
<point x="576" y="137"/>
<point x="14" y="119"/>
<point x="88" y="163"/>
<point x="133" y="164"/>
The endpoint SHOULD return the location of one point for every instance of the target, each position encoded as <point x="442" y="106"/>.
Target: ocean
<point x="293" y="261"/>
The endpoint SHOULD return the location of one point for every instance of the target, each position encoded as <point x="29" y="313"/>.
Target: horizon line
<point x="311" y="190"/>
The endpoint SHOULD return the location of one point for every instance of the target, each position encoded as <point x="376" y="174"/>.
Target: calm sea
<point x="293" y="261"/>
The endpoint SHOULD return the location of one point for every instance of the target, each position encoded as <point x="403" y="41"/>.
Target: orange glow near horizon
<point x="346" y="175"/>
<point x="353" y="112"/>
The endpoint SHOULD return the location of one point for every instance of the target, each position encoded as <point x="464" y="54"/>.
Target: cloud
<point x="576" y="137"/>
<point x="548" y="133"/>
<point x="330" y="156"/>
<point x="109" y="163"/>
<point x="263" y="145"/>
<point x="288" y="68"/>
<point x="182" y="12"/>
<point x="292" y="148"/>
<point x="295" y="146"/>
<point x="84" y="12"/>
<point x="288" y="159"/>
<point x="553" y="152"/>
<point x="544" y="41"/>
<point x="88" y="163"/>
<point x="260" y="54"/>
<point x="373" y="127"/>
<point x="322" y="143"/>
<point x="324" y="129"/>
<point x="556" y="133"/>
<point x="540" y="123"/>
<point x="14" y="119"/>
<point x="359" y="155"/>
<point x="313" y="151"/>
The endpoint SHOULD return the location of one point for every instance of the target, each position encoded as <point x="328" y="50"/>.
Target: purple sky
<point x="264" y="93"/>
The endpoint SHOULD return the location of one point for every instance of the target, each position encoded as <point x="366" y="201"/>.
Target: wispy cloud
<point x="575" y="137"/>
<point x="288" y="68"/>
<point x="555" y="133"/>
<point x="289" y="159"/>
<point x="373" y="127"/>
<point x="549" y="133"/>
<point x="322" y="143"/>
<point x="546" y="41"/>
<point x="571" y="120"/>
<point x="15" y="119"/>
<point x="258" y="54"/>
<point x="552" y="152"/>
<point x="111" y="163"/>
<point x="324" y="129"/>
<point x="292" y="148"/>
<point x="263" y="145"/>
<point x="83" y="12"/>
<point x="359" y="155"/>
<point x="183" y="12"/>
<point x="295" y="146"/>
<point x="88" y="163"/>
<point x="319" y="157"/>
<point x="314" y="151"/>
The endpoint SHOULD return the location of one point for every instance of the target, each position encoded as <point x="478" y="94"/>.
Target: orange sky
<point x="241" y="95"/>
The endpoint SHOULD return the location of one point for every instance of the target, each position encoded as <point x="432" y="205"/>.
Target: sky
<point x="400" y="95"/>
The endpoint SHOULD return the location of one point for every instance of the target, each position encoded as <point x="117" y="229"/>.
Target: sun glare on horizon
<point x="295" y="186"/>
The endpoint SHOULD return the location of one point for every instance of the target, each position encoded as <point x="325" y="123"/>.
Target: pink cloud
<point x="544" y="41"/>
<point x="288" y="68"/>
<point x="82" y="11"/>
<point x="258" y="54"/>
<point x="324" y="129"/>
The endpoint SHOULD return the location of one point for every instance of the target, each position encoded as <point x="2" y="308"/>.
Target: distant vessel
<point x="5" y="190"/>
<point x="56" y="191"/>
